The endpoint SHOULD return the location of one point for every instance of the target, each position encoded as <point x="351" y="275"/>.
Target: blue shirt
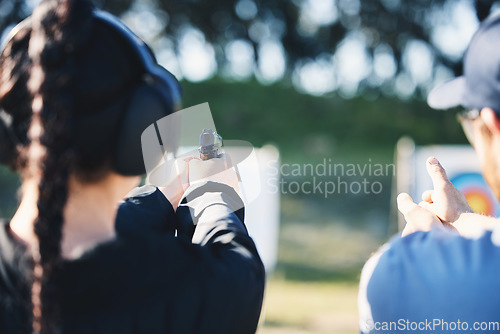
<point x="432" y="282"/>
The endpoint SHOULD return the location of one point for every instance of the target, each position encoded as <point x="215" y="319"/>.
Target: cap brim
<point x="448" y="95"/>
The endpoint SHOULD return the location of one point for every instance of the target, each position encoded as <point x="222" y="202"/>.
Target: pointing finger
<point x="437" y="173"/>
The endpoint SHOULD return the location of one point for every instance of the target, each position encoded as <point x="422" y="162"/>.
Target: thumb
<point x="437" y="173"/>
<point x="405" y="203"/>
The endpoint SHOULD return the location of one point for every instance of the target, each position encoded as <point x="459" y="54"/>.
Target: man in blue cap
<point x="443" y="274"/>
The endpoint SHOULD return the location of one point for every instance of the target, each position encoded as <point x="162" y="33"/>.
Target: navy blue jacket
<point x="191" y="271"/>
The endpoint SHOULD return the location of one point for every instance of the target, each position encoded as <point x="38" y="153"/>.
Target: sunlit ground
<point x="310" y="307"/>
<point x="314" y="289"/>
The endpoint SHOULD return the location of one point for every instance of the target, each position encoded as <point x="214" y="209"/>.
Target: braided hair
<point x="45" y="86"/>
<point x="57" y="33"/>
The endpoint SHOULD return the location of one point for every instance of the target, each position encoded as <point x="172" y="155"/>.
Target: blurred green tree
<point x="309" y="31"/>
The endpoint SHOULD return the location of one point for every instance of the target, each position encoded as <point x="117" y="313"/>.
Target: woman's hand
<point x="176" y="187"/>
<point x="190" y="170"/>
<point x="217" y="170"/>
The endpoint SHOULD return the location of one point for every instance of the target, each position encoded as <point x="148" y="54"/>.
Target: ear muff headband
<point x="143" y="52"/>
<point x="157" y="95"/>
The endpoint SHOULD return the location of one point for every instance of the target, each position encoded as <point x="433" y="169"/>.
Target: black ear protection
<point x="156" y="95"/>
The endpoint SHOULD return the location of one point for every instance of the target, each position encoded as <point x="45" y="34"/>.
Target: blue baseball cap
<point x="479" y="87"/>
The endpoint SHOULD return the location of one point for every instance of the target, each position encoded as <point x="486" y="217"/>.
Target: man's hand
<point x="417" y="218"/>
<point x="445" y="201"/>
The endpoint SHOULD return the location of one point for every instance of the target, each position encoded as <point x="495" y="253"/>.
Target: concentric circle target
<point x="477" y="192"/>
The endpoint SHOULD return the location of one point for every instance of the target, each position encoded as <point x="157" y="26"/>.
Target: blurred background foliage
<point x="309" y="128"/>
<point x="339" y="79"/>
<point x="390" y="47"/>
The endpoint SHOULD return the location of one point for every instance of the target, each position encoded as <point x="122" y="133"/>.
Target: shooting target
<point x="477" y="193"/>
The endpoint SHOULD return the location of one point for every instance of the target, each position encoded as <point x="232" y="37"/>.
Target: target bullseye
<point x="477" y="193"/>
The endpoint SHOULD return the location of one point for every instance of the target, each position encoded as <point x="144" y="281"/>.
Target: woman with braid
<point x="72" y="259"/>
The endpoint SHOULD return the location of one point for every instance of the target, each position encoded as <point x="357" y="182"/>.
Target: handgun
<point x="210" y="148"/>
<point x="210" y="144"/>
